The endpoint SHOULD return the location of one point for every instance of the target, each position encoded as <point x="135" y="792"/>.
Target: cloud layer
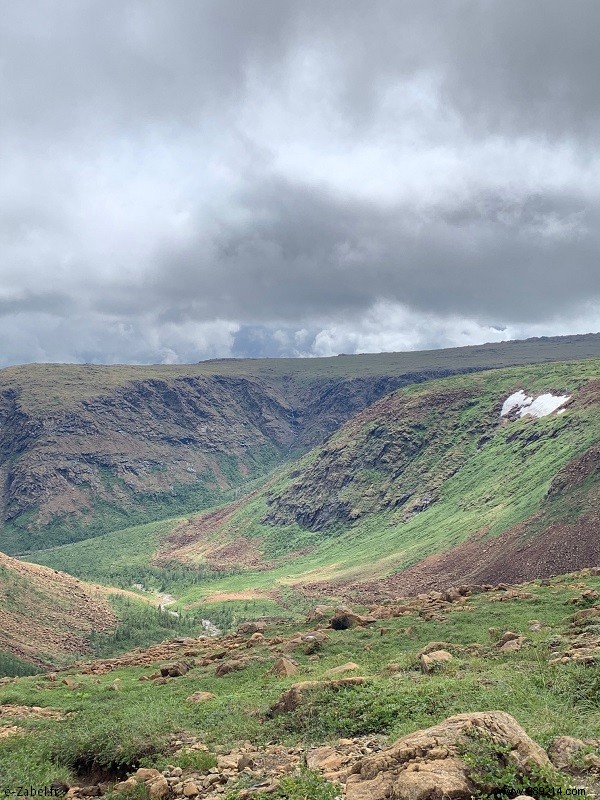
<point x="182" y="180"/>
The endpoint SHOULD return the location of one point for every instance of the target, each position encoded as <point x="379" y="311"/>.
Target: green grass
<point x="11" y="666"/>
<point x="117" y="729"/>
<point x="109" y="556"/>
<point x="141" y="625"/>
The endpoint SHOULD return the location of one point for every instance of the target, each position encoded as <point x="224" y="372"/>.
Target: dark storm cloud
<point x="188" y="178"/>
<point x="309" y="253"/>
<point x="71" y="64"/>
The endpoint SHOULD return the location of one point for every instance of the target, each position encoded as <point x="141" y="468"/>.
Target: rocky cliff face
<point x="157" y="446"/>
<point x="394" y="454"/>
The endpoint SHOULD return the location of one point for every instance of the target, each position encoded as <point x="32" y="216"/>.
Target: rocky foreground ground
<point x="425" y="765"/>
<point x="479" y="753"/>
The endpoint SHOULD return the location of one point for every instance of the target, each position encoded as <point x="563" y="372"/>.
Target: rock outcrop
<point x="429" y="764"/>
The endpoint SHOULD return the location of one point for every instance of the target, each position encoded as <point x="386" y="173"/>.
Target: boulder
<point x="428" y="764"/>
<point x="350" y="666"/>
<point x="252" y="627"/>
<point x="123" y="786"/>
<point x="174" y="670"/>
<point x="508" y="636"/>
<point x="592" y="761"/>
<point x="565" y="750"/>
<point x="146" y="774"/>
<point x="324" y="758"/>
<point x="345" y="618"/>
<point x="70" y="683"/>
<point x="292" y="699"/>
<point x="311" y="639"/>
<point x="155" y="782"/>
<point x="513" y="645"/>
<point x="431" y="646"/>
<point x="245" y="761"/>
<point x="230" y="666"/>
<point x="319" y="612"/>
<point x="228" y="762"/>
<point x="157" y="788"/>
<point x="434" y="660"/>
<point x="586" y="613"/>
<point x="283" y="668"/>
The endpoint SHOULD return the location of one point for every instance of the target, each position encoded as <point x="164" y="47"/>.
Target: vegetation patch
<point x="497" y="776"/>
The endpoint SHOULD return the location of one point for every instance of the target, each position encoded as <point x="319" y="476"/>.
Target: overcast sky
<point x="187" y="179"/>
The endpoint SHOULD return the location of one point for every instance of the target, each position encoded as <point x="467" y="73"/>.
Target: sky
<point x="191" y="179"/>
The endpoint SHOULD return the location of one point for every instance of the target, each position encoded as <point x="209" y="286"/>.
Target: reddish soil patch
<point x="200" y="536"/>
<point x="588" y="395"/>
<point x="576" y="471"/>
<point x="208" y="538"/>
<point x="240" y="552"/>
<point x="510" y="558"/>
<point x="221" y="597"/>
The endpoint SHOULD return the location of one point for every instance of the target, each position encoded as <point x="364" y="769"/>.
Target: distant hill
<point x="88" y="449"/>
<point x="432" y="485"/>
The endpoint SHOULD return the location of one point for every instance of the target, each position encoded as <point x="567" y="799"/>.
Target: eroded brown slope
<point x="46" y="616"/>
<point x="540" y="547"/>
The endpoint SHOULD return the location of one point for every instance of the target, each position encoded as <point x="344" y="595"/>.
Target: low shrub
<point x="498" y="777"/>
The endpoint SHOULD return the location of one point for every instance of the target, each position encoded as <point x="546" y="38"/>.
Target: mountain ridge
<point x="85" y="449"/>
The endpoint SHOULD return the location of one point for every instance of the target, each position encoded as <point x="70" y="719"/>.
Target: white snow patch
<point x="540" y="406"/>
<point x="518" y="399"/>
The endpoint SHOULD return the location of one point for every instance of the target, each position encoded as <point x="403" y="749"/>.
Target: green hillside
<point x="420" y="472"/>
<point x="87" y="449"/>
